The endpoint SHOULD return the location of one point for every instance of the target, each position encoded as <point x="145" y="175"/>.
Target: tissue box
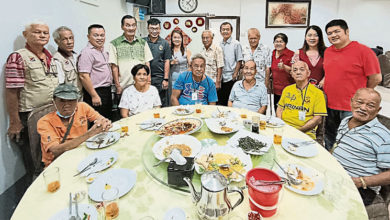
<point x="176" y="173"/>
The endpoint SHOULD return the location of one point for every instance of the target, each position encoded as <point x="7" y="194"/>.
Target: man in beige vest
<point x="65" y="57"/>
<point x="30" y="77"/>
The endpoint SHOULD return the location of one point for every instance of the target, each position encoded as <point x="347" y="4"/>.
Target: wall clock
<point x="188" y="6"/>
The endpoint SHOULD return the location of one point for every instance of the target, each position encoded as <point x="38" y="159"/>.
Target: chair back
<point x="34" y="137"/>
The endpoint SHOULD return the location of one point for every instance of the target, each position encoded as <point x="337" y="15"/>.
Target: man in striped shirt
<point x="363" y="145"/>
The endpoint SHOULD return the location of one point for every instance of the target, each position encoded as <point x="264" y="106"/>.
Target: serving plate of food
<point x="222" y="125"/>
<point x="251" y="143"/>
<point x="103" y="140"/>
<point x="183" y="110"/>
<point x="180" y="126"/>
<point x="188" y="145"/>
<point x="227" y="160"/>
<point x="312" y="181"/>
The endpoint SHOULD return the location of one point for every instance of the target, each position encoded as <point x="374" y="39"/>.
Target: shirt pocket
<point x="37" y="73"/>
<point x="70" y="74"/>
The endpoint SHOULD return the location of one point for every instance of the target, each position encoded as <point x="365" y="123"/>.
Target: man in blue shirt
<point x="194" y="86"/>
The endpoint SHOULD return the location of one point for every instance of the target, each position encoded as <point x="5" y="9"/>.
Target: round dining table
<point x="150" y="198"/>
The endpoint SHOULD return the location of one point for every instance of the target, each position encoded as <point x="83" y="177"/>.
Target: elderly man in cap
<point x="67" y="127"/>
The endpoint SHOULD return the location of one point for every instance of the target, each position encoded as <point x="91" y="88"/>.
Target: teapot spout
<point x="195" y="195"/>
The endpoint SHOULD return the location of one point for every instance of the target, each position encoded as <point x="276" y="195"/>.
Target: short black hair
<point x="337" y="22"/>
<point x="137" y="67"/>
<point x="127" y="17"/>
<point x="283" y="36"/>
<point x="154" y="21"/>
<point x="225" y="23"/>
<point x="92" y="26"/>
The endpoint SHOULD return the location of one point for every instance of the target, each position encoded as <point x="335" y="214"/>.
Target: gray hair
<point x="198" y="56"/>
<point x="29" y="25"/>
<point x="56" y="33"/>
<point x="255" y="30"/>
<point x="208" y="31"/>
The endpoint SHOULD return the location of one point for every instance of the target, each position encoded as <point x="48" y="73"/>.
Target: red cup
<point x="263" y="199"/>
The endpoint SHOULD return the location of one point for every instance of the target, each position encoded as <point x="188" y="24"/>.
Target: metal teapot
<point x="212" y="202"/>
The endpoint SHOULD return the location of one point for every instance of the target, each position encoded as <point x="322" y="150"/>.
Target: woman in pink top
<point x="280" y="67"/>
<point x="312" y="53"/>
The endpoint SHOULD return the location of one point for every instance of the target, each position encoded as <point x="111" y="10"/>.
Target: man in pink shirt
<point x="95" y="72"/>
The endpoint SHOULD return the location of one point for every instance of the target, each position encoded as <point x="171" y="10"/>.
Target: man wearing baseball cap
<point x="67" y="127"/>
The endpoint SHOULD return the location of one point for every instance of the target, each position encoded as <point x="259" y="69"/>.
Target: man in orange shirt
<point x="67" y="127"/>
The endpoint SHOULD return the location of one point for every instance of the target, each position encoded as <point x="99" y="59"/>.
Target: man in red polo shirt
<point x="348" y="66"/>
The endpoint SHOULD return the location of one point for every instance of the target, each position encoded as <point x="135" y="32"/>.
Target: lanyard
<point x="339" y="140"/>
<point x="304" y="97"/>
<point x="194" y="82"/>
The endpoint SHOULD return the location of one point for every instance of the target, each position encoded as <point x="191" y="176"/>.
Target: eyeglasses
<point x="154" y="29"/>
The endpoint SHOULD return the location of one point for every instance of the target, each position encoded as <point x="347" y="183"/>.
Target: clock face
<point x="188" y="6"/>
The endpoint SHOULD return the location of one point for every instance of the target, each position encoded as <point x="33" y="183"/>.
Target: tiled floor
<point x="11" y="197"/>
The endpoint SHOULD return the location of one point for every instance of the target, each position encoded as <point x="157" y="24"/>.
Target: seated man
<point x="249" y="93"/>
<point x="194" y="86"/>
<point x="67" y="127"/>
<point x="362" y="145"/>
<point x="302" y="105"/>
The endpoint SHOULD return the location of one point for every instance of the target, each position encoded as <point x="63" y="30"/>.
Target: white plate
<point x="106" y="158"/>
<point x="152" y="124"/>
<point x="275" y="122"/>
<point x="83" y="208"/>
<point x="176" y="214"/>
<point x="183" y="110"/>
<point x="233" y="141"/>
<point x="313" y="174"/>
<point x="308" y="150"/>
<point x="214" y="124"/>
<point x="115" y="127"/>
<point x="236" y="152"/>
<point x="108" y="138"/>
<point x="198" y="123"/>
<point x="192" y="142"/>
<point x="224" y="114"/>
<point x="123" y="179"/>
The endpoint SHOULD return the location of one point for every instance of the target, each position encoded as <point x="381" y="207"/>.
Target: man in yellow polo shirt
<point x="302" y="105"/>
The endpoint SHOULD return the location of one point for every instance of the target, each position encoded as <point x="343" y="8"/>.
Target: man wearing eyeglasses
<point x="126" y="51"/>
<point x="160" y="64"/>
<point x="30" y="79"/>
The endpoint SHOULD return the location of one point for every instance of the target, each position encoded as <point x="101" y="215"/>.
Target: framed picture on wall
<point x="288" y="13"/>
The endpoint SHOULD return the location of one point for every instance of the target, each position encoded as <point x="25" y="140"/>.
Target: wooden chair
<point x="34" y="137"/>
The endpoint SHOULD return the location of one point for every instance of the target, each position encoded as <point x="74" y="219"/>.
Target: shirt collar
<point x="90" y="46"/>
<point x="47" y="53"/>
<point x="369" y="124"/>
<point x="123" y="38"/>
<point x="157" y="41"/>
<point x="64" y="54"/>
<point x="228" y="41"/>
<point x="242" y="83"/>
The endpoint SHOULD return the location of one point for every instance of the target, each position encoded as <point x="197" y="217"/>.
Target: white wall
<point x="368" y="19"/>
<point x="72" y="13"/>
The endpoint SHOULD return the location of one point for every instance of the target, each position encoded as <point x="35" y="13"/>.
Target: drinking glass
<point x="278" y="133"/>
<point x="110" y="202"/>
<point x="52" y="179"/>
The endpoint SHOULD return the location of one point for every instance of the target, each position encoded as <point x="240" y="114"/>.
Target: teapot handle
<point x="238" y="190"/>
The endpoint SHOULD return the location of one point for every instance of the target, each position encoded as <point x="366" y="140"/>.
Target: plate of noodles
<point x="188" y="145"/>
<point x="212" y="158"/>
<point x="312" y="181"/>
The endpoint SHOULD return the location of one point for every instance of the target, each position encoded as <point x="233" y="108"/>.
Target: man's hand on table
<point x="357" y="181"/>
<point x="100" y="125"/>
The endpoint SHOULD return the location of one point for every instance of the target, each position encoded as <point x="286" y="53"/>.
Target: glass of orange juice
<point x="52" y="179"/>
<point x="110" y="198"/>
<point x="278" y="133"/>
<point x="156" y="115"/>
<point x="263" y="124"/>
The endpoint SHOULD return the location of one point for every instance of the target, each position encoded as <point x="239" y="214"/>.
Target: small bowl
<point x="91" y="177"/>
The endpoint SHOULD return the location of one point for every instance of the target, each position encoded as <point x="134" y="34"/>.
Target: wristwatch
<point x="166" y="79"/>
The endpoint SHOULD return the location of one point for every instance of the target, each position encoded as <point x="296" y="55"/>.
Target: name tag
<point x="302" y="115"/>
<point x="195" y="96"/>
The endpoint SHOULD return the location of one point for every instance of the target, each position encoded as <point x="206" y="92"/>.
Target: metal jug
<point x="212" y="202"/>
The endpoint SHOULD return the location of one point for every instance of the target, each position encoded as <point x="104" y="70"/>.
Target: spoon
<point x="228" y="166"/>
<point x="292" y="179"/>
